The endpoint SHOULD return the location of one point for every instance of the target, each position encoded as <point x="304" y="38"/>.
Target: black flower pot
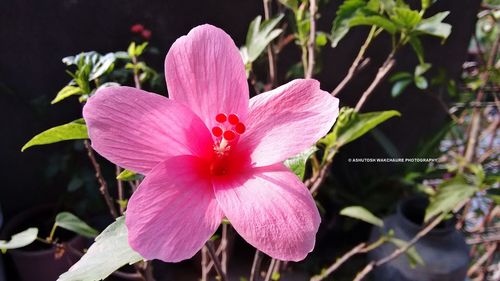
<point x="443" y="249"/>
<point x="39" y="261"/>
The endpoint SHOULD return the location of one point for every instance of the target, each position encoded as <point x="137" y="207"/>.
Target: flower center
<point x="227" y="133"/>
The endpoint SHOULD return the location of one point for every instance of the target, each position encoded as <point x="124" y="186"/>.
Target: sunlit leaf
<point x="378" y="21"/>
<point x="351" y="125"/>
<point x="75" y="130"/>
<point x="71" y="222"/>
<point x="20" y="239"/>
<point x="127" y="175"/>
<point x="345" y="13"/>
<point x="109" y="252"/>
<point x="449" y="194"/>
<point x="259" y="35"/>
<point x="435" y="26"/>
<point x="363" y="214"/>
<point x="298" y="163"/>
<point x="67" y="92"/>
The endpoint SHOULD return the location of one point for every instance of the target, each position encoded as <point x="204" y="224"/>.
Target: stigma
<point x="226" y="132"/>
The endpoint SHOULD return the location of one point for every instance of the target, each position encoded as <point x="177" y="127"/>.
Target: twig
<point x="121" y="197"/>
<point x="311" y="44"/>
<point x="355" y="67"/>
<point x="396" y="253"/>
<point x="477" y="265"/>
<point x="211" y="252"/>
<point x="381" y="74"/>
<point x="257" y="260"/>
<point x="358" y="249"/>
<point x="270" y="51"/>
<point x="223" y="246"/>
<point x="270" y="270"/>
<point x="204" y="267"/>
<point x="98" y="174"/>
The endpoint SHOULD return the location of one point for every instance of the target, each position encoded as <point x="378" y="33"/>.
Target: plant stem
<point x="270" y="270"/>
<point x="257" y="261"/>
<point x="311" y="44"/>
<point x="211" y="252"/>
<point x="355" y="67"/>
<point x="98" y="174"/>
<point x="204" y="264"/>
<point x="339" y="262"/>
<point x="381" y="74"/>
<point x="223" y="247"/>
<point x="396" y="253"/>
<point x="270" y="52"/>
<point x="119" y="183"/>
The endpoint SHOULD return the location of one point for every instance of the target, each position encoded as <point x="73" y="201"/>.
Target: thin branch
<point x="270" y="270"/>
<point x="257" y="261"/>
<point x="355" y="67"/>
<point x="270" y="52"/>
<point x="490" y="249"/>
<point x="98" y="174"/>
<point x="381" y="74"/>
<point x="311" y="44"/>
<point x="358" y="249"/>
<point x="211" y="252"/>
<point x="204" y="267"/>
<point x="399" y="251"/>
<point x="223" y="247"/>
<point x="121" y="197"/>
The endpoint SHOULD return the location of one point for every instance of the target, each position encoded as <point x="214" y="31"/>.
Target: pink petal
<point x="137" y="130"/>
<point x="174" y="211"/>
<point x="287" y="120"/>
<point x="272" y="210"/>
<point x="204" y="70"/>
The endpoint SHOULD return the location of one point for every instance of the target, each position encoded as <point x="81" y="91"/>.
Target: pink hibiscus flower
<point x="209" y="152"/>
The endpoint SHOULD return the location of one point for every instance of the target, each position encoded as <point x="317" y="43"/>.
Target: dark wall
<point x="35" y="35"/>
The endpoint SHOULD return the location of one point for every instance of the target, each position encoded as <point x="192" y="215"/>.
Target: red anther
<point x="229" y="135"/>
<point x="221" y="118"/>
<point x="217" y="131"/>
<point x="233" y="119"/>
<point x="240" y="128"/>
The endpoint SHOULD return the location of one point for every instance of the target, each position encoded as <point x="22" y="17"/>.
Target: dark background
<point x="35" y="35"/>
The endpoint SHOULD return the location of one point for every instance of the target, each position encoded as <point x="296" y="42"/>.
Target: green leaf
<point x="434" y="26"/>
<point x="140" y="49"/>
<point x="291" y="4"/>
<point x="399" y="87"/>
<point x="345" y="13"/>
<point x="401" y="75"/>
<point x="19" y="240"/>
<point x="109" y="252"/>
<point x="351" y="125"/>
<point x="131" y="49"/>
<point x="75" y="130"/>
<point x="321" y="39"/>
<point x="363" y="214"/>
<point x="406" y="18"/>
<point x="127" y="175"/>
<point x="71" y="222"/>
<point x="426" y="4"/>
<point x="103" y="65"/>
<point x="422" y="68"/>
<point x="414" y="258"/>
<point x="421" y="82"/>
<point x="66" y="92"/>
<point x="449" y="194"/>
<point x="298" y="163"/>
<point x="379" y="21"/>
<point x="259" y="36"/>
<point x="416" y="44"/>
